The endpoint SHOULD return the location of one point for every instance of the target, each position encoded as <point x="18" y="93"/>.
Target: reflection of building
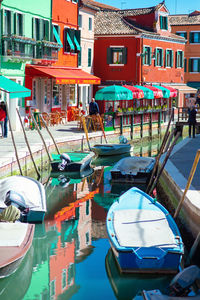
<point x="188" y="26"/>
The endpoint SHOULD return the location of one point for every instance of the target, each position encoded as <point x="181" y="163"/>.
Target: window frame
<point x="89" y="57"/>
<point x="164" y="22"/>
<point x="90" y="24"/>
<point x="179" y="58"/>
<point x="81" y="18"/>
<point x="192" y="38"/>
<point x="170" y="53"/>
<point x="191" y="59"/>
<point x="147" y="55"/>
<point x="160" y="63"/>
<point x="182" y="33"/>
<point x="110" y="51"/>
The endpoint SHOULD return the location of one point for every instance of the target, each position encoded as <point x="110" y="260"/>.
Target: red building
<point x="136" y="46"/>
<point x="54" y="79"/>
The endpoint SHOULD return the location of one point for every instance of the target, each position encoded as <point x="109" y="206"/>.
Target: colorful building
<point x="136" y="46"/>
<point x="188" y="26"/>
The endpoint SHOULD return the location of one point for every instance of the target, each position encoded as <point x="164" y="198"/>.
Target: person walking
<point x="192" y="121"/>
<point x="2" y="119"/>
<point x="93" y="108"/>
<point x="5" y="124"/>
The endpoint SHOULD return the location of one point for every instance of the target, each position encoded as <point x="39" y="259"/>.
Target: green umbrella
<point x="165" y="91"/>
<point x="148" y="94"/>
<point x="114" y="92"/>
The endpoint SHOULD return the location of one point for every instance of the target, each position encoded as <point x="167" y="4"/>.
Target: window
<point x="64" y="278"/>
<point x="71" y="40"/>
<point x="40" y="29"/>
<point x="195" y="37"/>
<point x="55" y="94"/>
<point x="182" y="33"/>
<point x="89" y="57"/>
<point x="79" y="58"/>
<point x="18" y="24"/>
<point x="169" y="58"/>
<point x="90" y="24"/>
<point x="147" y="55"/>
<point x="117" y="55"/>
<point x="185" y="65"/>
<point x="179" y="59"/>
<point x="159" y="57"/>
<point x="194" y="65"/>
<point x="7" y="16"/>
<point x="80" y="21"/>
<point x="163" y="22"/>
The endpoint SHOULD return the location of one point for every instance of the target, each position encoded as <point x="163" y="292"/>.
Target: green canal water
<point x="70" y="257"/>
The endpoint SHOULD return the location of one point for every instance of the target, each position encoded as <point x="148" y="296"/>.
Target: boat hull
<point x="143" y="236"/>
<point x="111" y="149"/>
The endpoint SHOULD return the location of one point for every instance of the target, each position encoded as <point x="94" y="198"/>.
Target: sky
<point x="174" y="6"/>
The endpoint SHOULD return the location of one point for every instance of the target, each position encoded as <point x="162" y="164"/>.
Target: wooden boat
<point x="27" y="194"/>
<point x="69" y="162"/>
<point x="16" y="239"/>
<point x="111" y="149"/>
<point x="108" y="160"/>
<point x="133" y="169"/>
<point x="143" y="235"/>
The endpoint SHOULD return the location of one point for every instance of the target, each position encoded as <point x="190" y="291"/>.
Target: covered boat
<point x="16" y="240"/>
<point x="133" y="169"/>
<point x="111" y="149"/>
<point x="143" y="235"/>
<point x="75" y="162"/>
<point x="25" y="193"/>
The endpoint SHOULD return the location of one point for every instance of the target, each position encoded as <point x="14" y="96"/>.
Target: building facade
<point x="188" y="26"/>
<point x="137" y="46"/>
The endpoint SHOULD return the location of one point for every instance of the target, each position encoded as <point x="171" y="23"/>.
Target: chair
<point x="46" y="118"/>
<point x="54" y="118"/>
<point x="63" y="115"/>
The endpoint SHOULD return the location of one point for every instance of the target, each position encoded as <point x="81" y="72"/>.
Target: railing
<point x="183" y="114"/>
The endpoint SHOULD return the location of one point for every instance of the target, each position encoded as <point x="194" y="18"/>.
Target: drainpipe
<point x="0" y="36"/>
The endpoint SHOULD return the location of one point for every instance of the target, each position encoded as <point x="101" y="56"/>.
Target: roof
<point x="117" y="22"/>
<point x="189" y="19"/>
<point x="98" y="5"/>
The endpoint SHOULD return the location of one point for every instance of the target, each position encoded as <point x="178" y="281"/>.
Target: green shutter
<point x="161" y="22"/>
<point x="191" y="37"/>
<point x="185" y="35"/>
<point x="198" y="37"/>
<point x="11" y="22"/>
<point x="166" y="52"/>
<point x="150" y="56"/>
<point x="199" y="65"/>
<point x="166" y="23"/>
<point x="176" y="59"/>
<point x="156" y="56"/>
<point x="143" y="55"/>
<point x="185" y="65"/>
<point x="41" y="26"/>
<point x="89" y="57"/>
<point x="3" y="20"/>
<point x="161" y="57"/>
<point x="23" y="24"/>
<point x="109" y="56"/>
<point x="172" y="58"/>
<point x="46" y="33"/>
<point x="69" y="40"/>
<point x="79" y="58"/>
<point x="124" y="55"/>
<point x="71" y="34"/>
<point x="77" y="40"/>
<point x="15" y="23"/>
<point x="182" y="60"/>
<point x="190" y="65"/>
<point x="33" y="28"/>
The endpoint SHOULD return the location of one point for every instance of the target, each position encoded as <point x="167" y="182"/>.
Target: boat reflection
<point x="127" y="286"/>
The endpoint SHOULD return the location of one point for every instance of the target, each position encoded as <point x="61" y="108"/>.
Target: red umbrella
<point x="173" y="91"/>
<point x="137" y="93"/>
<point x="156" y="92"/>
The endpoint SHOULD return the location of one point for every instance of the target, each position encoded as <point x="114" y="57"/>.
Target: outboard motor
<point x="64" y="181"/>
<point x="183" y="281"/>
<point x="15" y="199"/>
<point x="123" y="140"/>
<point x="65" y="159"/>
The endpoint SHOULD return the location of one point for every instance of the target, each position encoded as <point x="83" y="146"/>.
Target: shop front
<point x="56" y="88"/>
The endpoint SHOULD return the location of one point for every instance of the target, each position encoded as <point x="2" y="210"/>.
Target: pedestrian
<point x="2" y="118"/>
<point x="93" y="108"/>
<point x="192" y="120"/>
<point x="5" y="124"/>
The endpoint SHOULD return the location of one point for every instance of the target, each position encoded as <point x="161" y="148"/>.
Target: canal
<point x="70" y="257"/>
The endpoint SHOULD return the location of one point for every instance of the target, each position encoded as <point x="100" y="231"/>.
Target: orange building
<point x="136" y="46"/>
<point x="188" y="26"/>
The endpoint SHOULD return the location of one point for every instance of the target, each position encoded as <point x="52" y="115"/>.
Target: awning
<point x="165" y="91"/>
<point x="185" y="89"/>
<point x="156" y="91"/>
<point x="14" y="89"/>
<point x="63" y="75"/>
<point x="173" y="91"/>
<point x="57" y="36"/>
<point x="77" y="44"/>
<point x="70" y="42"/>
<point x="137" y="93"/>
<point x="194" y="84"/>
<point x="148" y="94"/>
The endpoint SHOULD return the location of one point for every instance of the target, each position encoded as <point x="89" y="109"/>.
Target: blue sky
<point x="174" y="6"/>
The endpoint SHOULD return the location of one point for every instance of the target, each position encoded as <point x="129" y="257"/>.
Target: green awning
<point x="165" y="91"/>
<point x="14" y="89"/>
<point x="57" y="37"/>
<point x="114" y="92"/>
<point x="70" y="42"/>
<point x="148" y="94"/>
<point x="77" y="44"/>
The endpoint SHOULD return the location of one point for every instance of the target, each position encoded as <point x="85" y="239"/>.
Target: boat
<point x="133" y="169"/>
<point x="108" y="160"/>
<point x="71" y="162"/>
<point x="184" y="286"/>
<point x="16" y="240"/>
<point x="127" y="286"/>
<point x="143" y="235"/>
<point x="25" y="193"/>
<point x="111" y="149"/>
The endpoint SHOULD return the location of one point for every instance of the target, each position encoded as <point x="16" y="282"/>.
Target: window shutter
<point x="190" y="65"/>
<point x="23" y="24"/>
<point x="71" y="34"/>
<point x="199" y="65"/>
<point x="182" y="60"/>
<point x="15" y="23"/>
<point x="150" y="56"/>
<point x="191" y="37"/>
<point x="11" y="22"/>
<point x="161" y="22"/>
<point x="33" y="28"/>
<point x="156" y="56"/>
<point x="161" y="57"/>
<point x="124" y="56"/>
<point x="176" y="59"/>
<point x="172" y="58"/>
<point x="79" y="58"/>
<point x="166" y="18"/>
<point x="3" y="20"/>
<point x="166" y="52"/>
<point x="109" y="52"/>
<point x="143" y="55"/>
<point x="185" y="65"/>
<point x="185" y="35"/>
<point x="46" y="33"/>
<point x="198" y="37"/>
<point x="89" y="57"/>
<point x="41" y="26"/>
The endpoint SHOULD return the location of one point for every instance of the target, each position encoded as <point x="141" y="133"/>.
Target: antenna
<point x="122" y="3"/>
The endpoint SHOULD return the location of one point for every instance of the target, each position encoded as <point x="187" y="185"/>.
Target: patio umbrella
<point x="114" y="92"/>
<point x="173" y="91"/>
<point x="137" y="93"/>
<point x="148" y="94"/>
<point x="166" y="92"/>
<point x="156" y="92"/>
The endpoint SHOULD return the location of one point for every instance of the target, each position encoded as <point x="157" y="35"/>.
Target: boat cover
<point x="150" y="228"/>
<point x="25" y="186"/>
<point x="12" y="234"/>
<point x="133" y="165"/>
